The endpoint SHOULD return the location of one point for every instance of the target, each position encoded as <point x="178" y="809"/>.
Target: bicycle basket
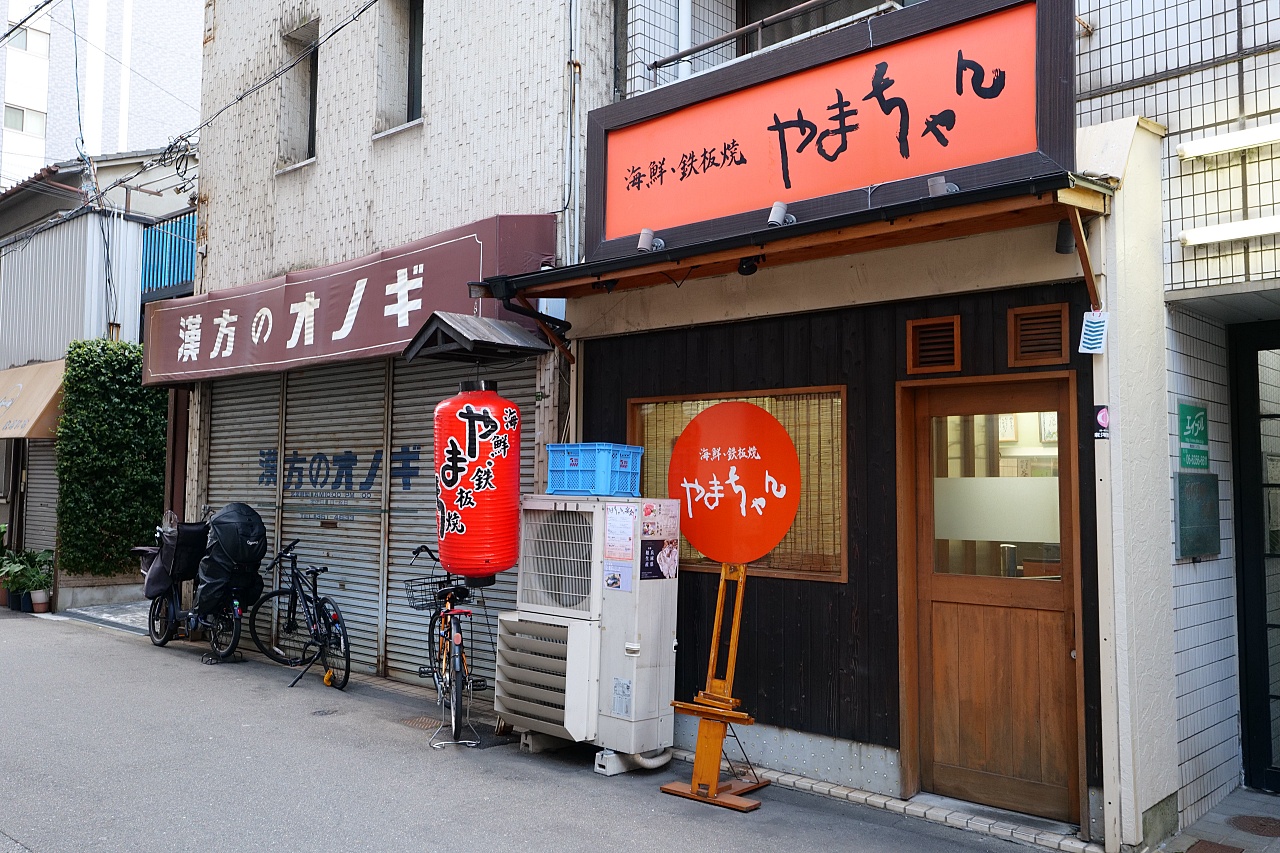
<point x="426" y="593"/>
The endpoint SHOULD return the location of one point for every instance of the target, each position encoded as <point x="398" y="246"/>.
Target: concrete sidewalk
<point x="1245" y="822"/>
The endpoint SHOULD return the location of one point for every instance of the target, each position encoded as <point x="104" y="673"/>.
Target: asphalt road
<point x="110" y="744"/>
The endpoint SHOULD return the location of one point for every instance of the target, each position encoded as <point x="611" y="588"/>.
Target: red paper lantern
<point x="477" y="463"/>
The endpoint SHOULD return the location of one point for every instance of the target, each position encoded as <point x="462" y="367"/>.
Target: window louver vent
<point x="1038" y="335"/>
<point x="933" y="345"/>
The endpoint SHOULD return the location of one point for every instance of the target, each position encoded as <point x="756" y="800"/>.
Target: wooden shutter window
<point x="1038" y="335"/>
<point x="933" y="345"/>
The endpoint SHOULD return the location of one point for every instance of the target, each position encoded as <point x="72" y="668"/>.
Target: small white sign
<point x="1093" y="336"/>
<point x="622" y="697"/>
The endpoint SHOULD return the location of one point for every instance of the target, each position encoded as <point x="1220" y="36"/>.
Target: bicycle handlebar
<point x="418" y="551"/>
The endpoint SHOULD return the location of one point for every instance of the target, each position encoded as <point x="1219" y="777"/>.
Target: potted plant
<point x="4" y="581"/>
<point x="40" y="583"/>
<point x="16" y="582"/>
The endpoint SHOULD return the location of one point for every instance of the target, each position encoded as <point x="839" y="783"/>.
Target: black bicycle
<point x="296" y="626"/>
<point x="210" y="551"/>
<point x="448" y="668"/>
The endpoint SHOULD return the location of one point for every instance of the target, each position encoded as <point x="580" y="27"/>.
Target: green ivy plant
<point x="111" y="451"/>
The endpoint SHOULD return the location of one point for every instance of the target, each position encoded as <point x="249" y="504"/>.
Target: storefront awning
<point x="463" y="337"/>
<point x="358" y="309"/>
<point x="1051" y="199"/>
<point x="30" y="400"/>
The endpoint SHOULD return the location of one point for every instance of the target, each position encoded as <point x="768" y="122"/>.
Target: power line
<point x="4" y="39"/>
<point x="128" y="68"/>
<point x="183" y="146"/>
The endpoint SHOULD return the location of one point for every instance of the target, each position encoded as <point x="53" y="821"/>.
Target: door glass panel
<point x="995" y="495"/>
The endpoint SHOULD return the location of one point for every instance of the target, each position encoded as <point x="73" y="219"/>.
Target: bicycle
<point x="448" y="667"/>
<point x="174" y="559"/>
<point x="294" y="638"/>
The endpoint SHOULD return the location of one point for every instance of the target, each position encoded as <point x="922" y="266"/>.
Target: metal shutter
<point x="244" y="440"/>
<point x="41" y="530"/>
<point x="332" y="472"/>
<point x="418" y="389"/>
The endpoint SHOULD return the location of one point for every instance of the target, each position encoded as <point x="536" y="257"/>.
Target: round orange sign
<point x="736" y="474"/>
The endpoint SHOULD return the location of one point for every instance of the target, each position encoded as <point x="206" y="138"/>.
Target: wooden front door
<point x="996" y="589"/>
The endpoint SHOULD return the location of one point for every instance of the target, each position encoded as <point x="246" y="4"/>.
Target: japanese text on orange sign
<point x="957" y="97"/>
<point x="735" y="471"/>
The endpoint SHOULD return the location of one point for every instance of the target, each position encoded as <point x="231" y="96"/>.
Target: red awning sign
<point x="736" y="473"/>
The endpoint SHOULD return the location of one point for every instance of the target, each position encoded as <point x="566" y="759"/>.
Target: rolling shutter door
<point x="244" y="440"/>
<point x="418" y="388"/>
<point x="41" y="531"/>
<point x="332" y="472"/>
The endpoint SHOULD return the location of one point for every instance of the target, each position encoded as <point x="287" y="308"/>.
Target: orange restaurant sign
<point x="736" y="473"/>
<point x="949" y="98"/>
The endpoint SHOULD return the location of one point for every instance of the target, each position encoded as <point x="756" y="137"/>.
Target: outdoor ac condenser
<point x="589" y="653"/>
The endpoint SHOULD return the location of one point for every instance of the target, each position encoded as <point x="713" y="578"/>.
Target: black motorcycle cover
<point x="178" y="559"/>
<point x="237" y="543"/>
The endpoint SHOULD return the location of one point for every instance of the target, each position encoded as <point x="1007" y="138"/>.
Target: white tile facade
<point x="1205" y="641"/>
<point x="493" y="140"/>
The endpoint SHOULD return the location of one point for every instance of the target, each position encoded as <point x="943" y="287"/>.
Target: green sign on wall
<point x="1193" y="435"/>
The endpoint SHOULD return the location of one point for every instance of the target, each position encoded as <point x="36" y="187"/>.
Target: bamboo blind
<point x="815" y="421"/>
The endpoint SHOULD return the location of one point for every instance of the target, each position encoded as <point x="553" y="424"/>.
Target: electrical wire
<point x="4" y="39"/>
<point x="119" y="62"/>
<point x="181" y="151"/>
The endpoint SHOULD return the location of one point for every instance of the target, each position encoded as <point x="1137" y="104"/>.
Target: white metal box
<point x="596" y="622"/>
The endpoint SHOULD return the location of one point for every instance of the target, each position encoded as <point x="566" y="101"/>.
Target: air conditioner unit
<point x="589" y="653"/>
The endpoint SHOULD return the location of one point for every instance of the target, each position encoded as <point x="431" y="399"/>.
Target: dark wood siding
<point x="817" y="656"/>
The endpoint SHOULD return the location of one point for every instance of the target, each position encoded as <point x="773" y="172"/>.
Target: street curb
<point x="956" y="819"/>
<point x="105" y="623"/>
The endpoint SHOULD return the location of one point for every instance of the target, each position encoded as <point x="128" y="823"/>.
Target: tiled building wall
<point x="653" y="32"/>
<point x="1201" y="68"/>
<point x="492" y="139"/>
<point x="1205" y="640"/>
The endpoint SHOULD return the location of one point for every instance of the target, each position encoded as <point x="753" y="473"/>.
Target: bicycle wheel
<point x="160" y="624"/>
<point x="279" y="636"/>
<point x="335" y="649"/>
<point x="458" y="681"/>
<point x="224" y="633"/>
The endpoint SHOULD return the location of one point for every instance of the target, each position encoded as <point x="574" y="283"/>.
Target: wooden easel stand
<point x="716" y="708"/>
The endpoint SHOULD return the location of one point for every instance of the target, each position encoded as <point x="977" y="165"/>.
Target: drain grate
<point x="488" y="737"/>
<point x="1213" y="847"/>
<point x="425" y="723"/>
<point x="1267" y="827"/>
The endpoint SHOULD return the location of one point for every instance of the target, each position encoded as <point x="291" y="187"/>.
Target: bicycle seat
<point x="315" y="570"/>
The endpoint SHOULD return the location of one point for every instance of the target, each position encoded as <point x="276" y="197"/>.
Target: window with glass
<point x="24" y="120"/>
<point x="815" y="547"/>
<point x="30" y="41"/>
<point x="996" y="495"/>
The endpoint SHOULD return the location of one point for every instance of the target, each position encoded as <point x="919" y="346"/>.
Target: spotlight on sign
<point x="650" y="243"/>
<point x="778" y="215"/>
<point x="748" y="265"/>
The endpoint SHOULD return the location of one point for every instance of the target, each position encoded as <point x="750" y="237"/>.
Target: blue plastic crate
<point x="594" y="469"/>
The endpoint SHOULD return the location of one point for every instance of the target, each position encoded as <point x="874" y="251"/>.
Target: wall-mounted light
<point x="1225" y="143"/>
<point x="938" y="185"/>
<point x="778" y="215"/>
<point x="1065" y="244"/>
<point x="650" y="243"/>
<point x="1241" y="230"/>
<point x="748" y="265"/>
